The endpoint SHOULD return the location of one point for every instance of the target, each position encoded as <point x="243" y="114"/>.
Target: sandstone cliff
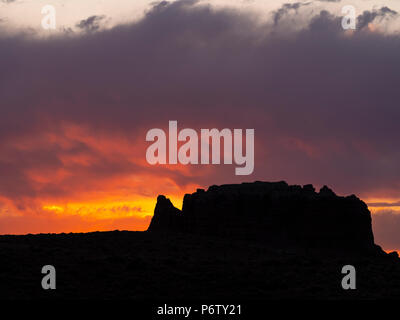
<point x="273" y="212"/>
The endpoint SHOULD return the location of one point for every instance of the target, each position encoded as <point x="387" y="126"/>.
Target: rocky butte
<point x="276" y="213"/>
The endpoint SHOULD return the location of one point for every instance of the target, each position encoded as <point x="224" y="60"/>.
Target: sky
<point x="76" y="103"/>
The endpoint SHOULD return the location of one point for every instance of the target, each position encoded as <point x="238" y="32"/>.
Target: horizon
<point x="179" y="206"/>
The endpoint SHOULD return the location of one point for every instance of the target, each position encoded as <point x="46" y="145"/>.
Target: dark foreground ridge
<point x="232" y="243"/>
<point x="273" y="212"/>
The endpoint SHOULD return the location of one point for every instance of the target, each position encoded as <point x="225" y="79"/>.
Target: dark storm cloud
<point x="90" y="24"/>
<point x="324" y="104"/>
<point x="369" y="16"/>
<point x="288" y="8"/>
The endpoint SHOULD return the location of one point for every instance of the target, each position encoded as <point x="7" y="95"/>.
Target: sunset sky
<point x="76" y="103"/>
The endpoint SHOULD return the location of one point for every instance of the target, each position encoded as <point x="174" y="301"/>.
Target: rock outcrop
<point x="274" y="212"/>
<point x="166" y="216"/>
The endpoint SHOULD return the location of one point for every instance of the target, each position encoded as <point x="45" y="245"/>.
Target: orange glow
<point x="389" y="203"/>
<point x="109" y="209"/>
<point x="94" y="181"/>
<point x="388" y="251"/>
<point x="372" y="27"/>
<point x="102" y="215"/>
<point x="377" y="209"/>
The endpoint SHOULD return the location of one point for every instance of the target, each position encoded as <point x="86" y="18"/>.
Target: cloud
<point x="368" y="17"/>
<point x="91" y="24"/>
<point x="384" y="204"/>
<point x="76" y="108"/>
<point x="288" y="8"/>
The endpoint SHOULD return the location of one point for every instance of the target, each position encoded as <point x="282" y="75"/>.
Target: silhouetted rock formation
<point x="277" y="213"/>
<point x="299" y="241"/>
<point x="166" y="216"/>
